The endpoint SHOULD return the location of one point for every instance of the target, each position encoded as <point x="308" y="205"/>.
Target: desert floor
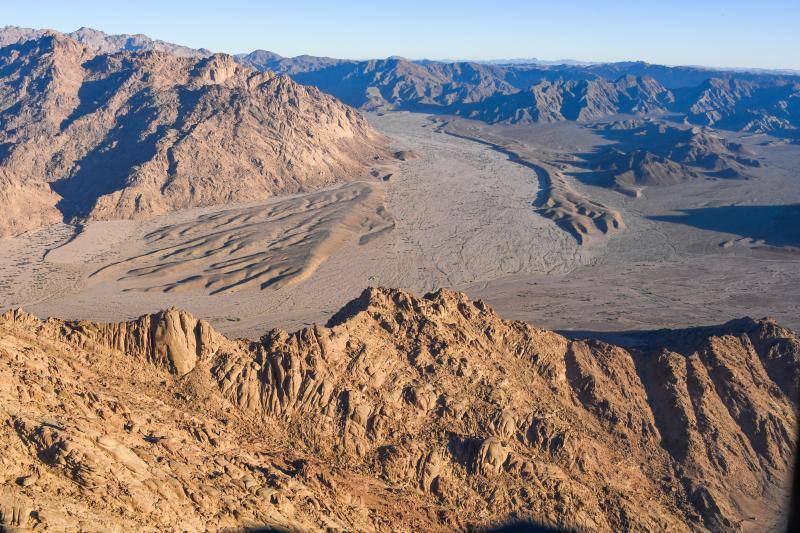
<point x="460" y="216"/>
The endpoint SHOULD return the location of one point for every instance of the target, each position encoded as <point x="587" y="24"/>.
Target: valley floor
<point x="458" y="215"/>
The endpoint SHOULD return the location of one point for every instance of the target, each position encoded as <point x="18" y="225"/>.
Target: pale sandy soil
<point x="457" y="214"/>
<point x="694" y="253"/>
<point x="460" y="215"/>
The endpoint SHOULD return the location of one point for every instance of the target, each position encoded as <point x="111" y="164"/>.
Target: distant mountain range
<point x="136" y="127"/>
<point x="534" y="61"/>
<point x="103" y="42"/>
<point x="526" y="93"/>
<point x="518" y="91"/>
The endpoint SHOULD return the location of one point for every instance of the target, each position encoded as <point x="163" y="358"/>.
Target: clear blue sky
<point x="732" y="33"/>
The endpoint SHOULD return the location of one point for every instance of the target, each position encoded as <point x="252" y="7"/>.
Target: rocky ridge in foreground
<point x="403" y="413"/>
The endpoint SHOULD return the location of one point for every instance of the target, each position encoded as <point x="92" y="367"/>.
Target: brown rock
<point x="374" y="416"/>
<point x="136" y="134"/>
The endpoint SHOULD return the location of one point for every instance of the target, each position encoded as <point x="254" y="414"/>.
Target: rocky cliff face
<point x="135" y="134"/>
<point x="402" y="413"/>
<point x="26" y="205"/>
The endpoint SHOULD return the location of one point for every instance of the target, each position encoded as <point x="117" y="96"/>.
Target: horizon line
<point x="520" y="60"/>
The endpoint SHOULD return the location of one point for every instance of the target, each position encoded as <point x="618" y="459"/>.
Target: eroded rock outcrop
<point x="172" y="339"/>
<point x="403" y="412"/>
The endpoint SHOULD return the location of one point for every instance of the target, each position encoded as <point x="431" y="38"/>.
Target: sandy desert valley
<point x="457" y="214"/>
<point x="255" y="292"/>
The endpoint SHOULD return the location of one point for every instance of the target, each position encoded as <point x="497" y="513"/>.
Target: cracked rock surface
<point x="402" y="413"/>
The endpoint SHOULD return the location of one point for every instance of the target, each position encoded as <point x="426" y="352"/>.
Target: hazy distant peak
<point x="103" y="42"/>
<point x="535" y="61"/>
<point x="15" y="34"/>
<point x="260" y="54"/>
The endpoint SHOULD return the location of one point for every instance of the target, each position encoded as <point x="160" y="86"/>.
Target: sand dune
<point x="459" y="213"/>
<point x="465" y="216"/>
<point x="273" y="245"/>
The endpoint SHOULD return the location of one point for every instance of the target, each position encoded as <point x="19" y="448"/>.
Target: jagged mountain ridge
<point x="513" y="94"/>
<point x="743" y="105"/>
<point x="519" y="72"/>
<point x="584" y="100"/>
<point x="510" y="93"/>
<point x="102" y="42"/>
<point x="403" y="412"/>
<point x="399" y="83"/>
<point x="135" y="134"/>
<point x="266" y="60"/>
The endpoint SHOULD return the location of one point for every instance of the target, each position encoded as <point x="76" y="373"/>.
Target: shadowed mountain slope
<point x="583" y="100"/>
<point x="654" y="152"/>
<point x="525" y="93"/>
<point x="135" y="134"/>
<point x="743" y="105"/>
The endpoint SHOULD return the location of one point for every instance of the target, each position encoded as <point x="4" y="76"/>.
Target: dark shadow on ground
<point x="682" y="340"/>
<point x="626" y="339"/>
<point x="776" y="225"/>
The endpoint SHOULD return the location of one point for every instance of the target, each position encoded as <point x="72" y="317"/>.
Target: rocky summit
<point x="403" y="412"/>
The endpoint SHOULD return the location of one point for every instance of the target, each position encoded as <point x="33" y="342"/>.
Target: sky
<point x="732" y="33"/>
